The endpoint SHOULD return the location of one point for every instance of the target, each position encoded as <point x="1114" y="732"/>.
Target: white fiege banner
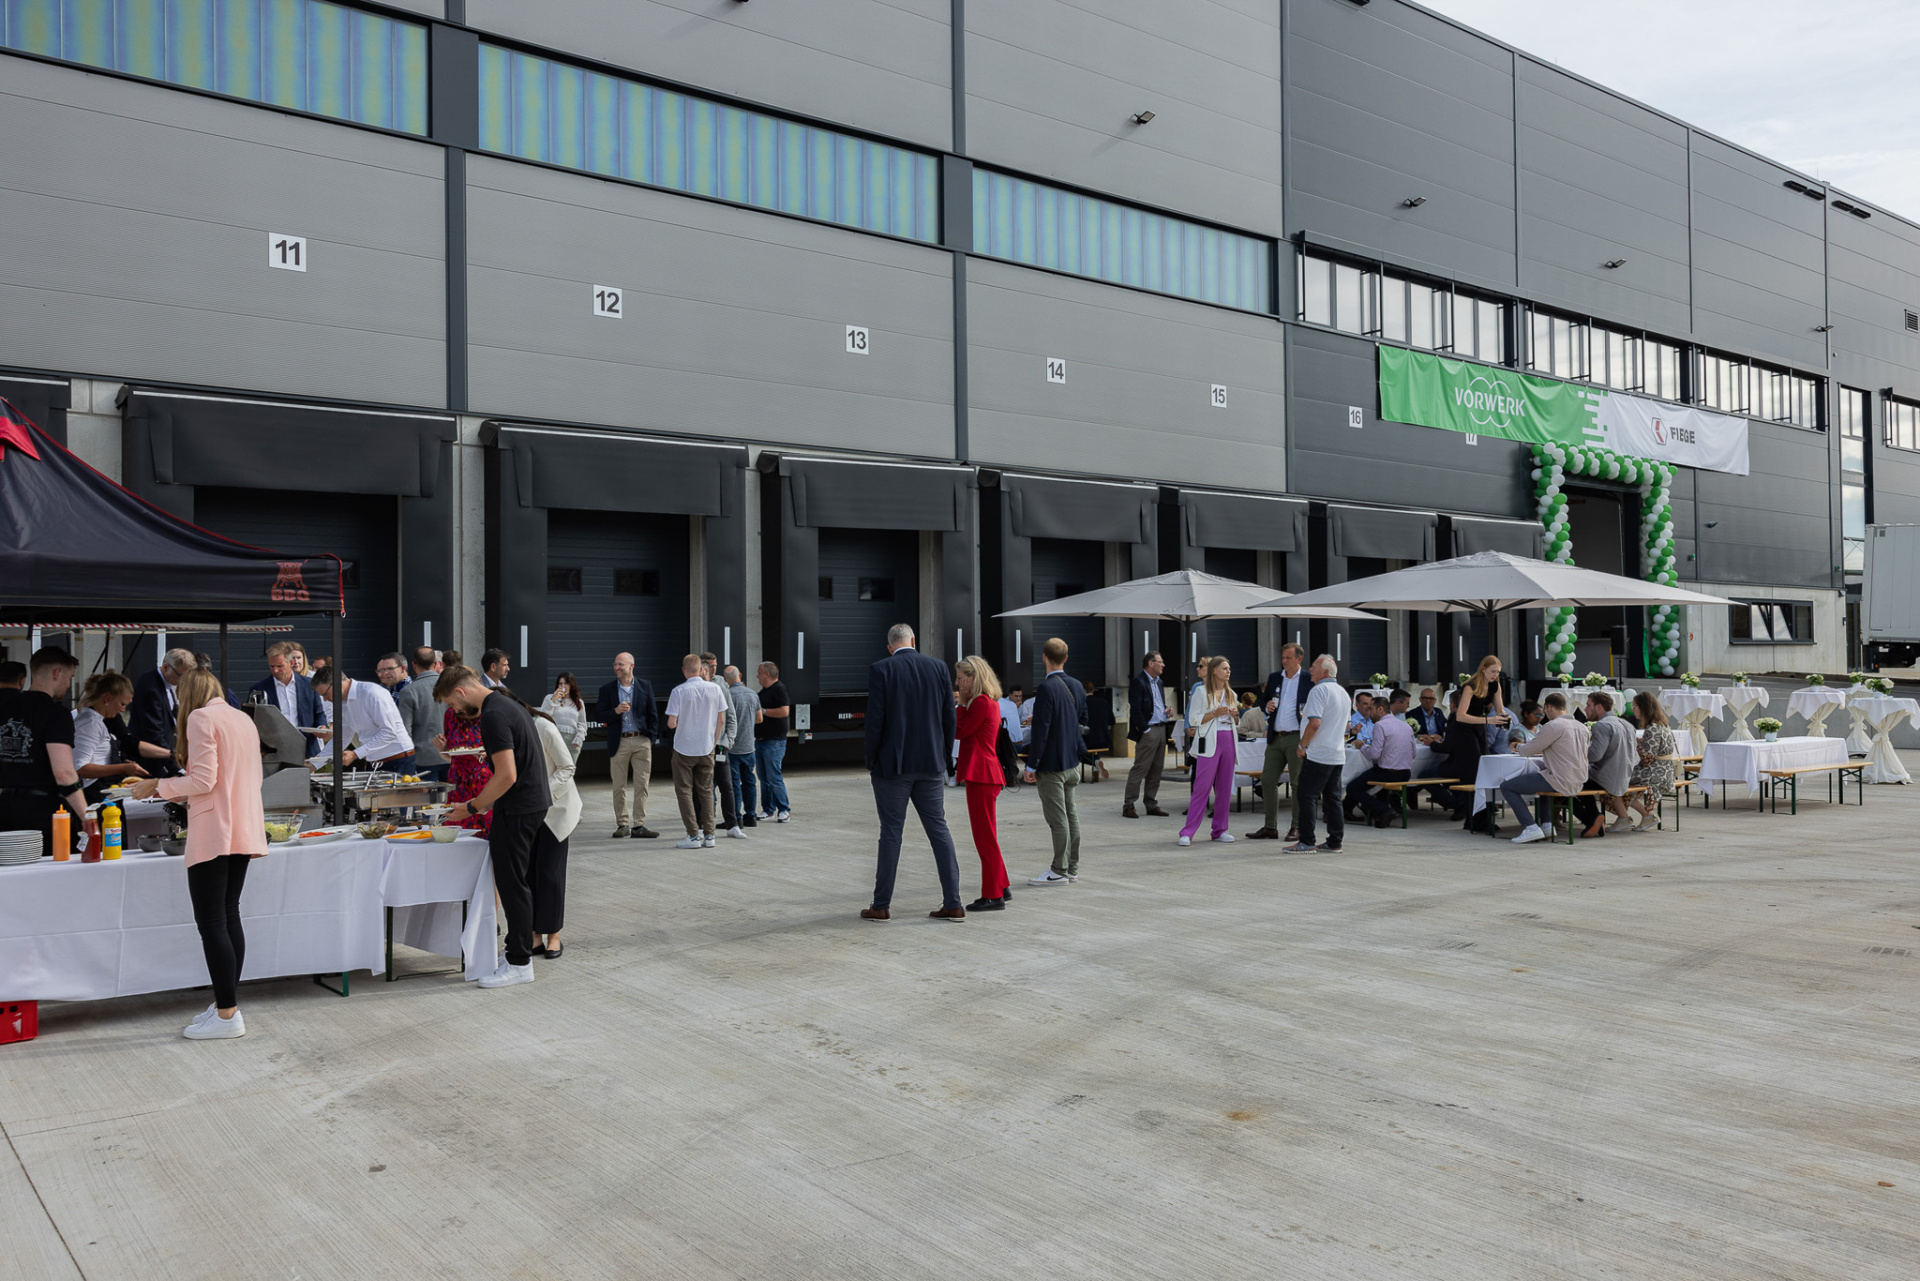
<point x="1642" y="428"/>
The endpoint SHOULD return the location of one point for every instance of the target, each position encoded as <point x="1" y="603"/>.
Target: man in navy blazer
<point x="1053" y="760"/>
<point x="909" y="739"/>
<point x="627" y="709"/>
<point x="292" y="693"/>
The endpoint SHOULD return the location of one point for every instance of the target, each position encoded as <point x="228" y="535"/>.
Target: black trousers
<point x="891" y="796"/>
<point x="1375" y="805"/>
<point x="511" y="843"/>
<point x="214" y="886"/>
<point x="1320" y="794"/>
<point x="1587" y="808"/>
<point x="548" y="878"/>
<point x="729" y="794"/>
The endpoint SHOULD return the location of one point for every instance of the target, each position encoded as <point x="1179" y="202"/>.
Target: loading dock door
<point x="361" y="529"/>
<point x="869" y="580"/>
<point x="616" y="581"/>
<point x="1066" y="567"/>
<point x="1238" y="639"/>
<point x="1366" y="642"/>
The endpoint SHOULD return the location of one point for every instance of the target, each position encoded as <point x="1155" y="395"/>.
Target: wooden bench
<point x="1566" y="799"/>
<point x="1792" y="779"/>
<point x="1096" y="753"/>
<point x="1400" y="791"/>
<point x="1494" y="803"/>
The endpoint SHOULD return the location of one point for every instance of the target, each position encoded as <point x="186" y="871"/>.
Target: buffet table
<point x="78" y="931"/>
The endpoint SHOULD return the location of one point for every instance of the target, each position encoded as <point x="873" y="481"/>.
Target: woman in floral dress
<point x="468" y="774"/>
<point x="1654" y="771"/>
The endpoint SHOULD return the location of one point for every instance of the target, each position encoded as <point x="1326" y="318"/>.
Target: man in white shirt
<point x="697" y="715"/>
<point x="291" y="692"/>
<point x="375" y="733"/>
<point x="1324" y="749"/>
<point x="1286" y="696"/>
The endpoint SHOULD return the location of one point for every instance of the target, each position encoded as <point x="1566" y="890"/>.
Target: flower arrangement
<point x="1380" y="681"/>
<point x="1767" y="725"/>
<point x="1689" y="680"/>
<point x="1593" y="680"/>
<point x="1880" y="684"/>
<point x="1815" y="678"/>
<point x="1739" y="678"/>
<point x="1464" y="678"/>
<point x="1856" y="678"/>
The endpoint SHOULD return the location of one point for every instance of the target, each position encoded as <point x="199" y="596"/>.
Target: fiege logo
<point x="1674" y="435"/>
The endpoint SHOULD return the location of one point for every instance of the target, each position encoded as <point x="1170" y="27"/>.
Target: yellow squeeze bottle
<point x="110" y="832"/>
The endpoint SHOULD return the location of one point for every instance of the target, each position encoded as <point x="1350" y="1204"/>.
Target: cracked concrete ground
<point x="1434" y="1056"/>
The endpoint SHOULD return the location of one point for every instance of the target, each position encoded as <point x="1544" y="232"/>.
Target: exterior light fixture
<point x="1823" y="329"/>
<point x="1811" y="193"/>
<point x="1612" y="263"/>
<point x="1141" y="117"/>
<point x="1414" y="202"/>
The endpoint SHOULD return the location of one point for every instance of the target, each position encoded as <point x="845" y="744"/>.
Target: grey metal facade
<point x="444" y="277"/>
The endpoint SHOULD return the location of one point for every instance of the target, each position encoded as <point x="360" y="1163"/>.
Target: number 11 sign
<point x="289" y="253"/>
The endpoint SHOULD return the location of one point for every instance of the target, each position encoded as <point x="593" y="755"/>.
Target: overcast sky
<point x="1827" y="88"/>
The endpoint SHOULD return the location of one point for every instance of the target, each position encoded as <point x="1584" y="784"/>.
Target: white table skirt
<point x="1495" y="770"/>
<point x="1815" y="703"/>
<point x="1357" y="764"/>
<point x="1741" y="702"/>
<point x="78" y="931"/>
<point x="428" y="886"/>
<point x="1743" y="762"/>
<point x="1881" y="715"/>
<point x="1860" y="732"/>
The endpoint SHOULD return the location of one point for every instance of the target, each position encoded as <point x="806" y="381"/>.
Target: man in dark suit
<point x="626" y="708"/>
<point x="1148" y="721"/>
<point x="1053" y="760"/>
<point x="151" y="714"/>
<point x="1284" y="700"/>
<point x="292" y="693"/>
<point x="909" y="738"/>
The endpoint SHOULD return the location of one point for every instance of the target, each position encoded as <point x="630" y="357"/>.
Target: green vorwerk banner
<point x="1488" y="400"/>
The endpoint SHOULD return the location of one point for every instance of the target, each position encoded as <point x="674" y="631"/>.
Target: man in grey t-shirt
<point x="741" y="755"/>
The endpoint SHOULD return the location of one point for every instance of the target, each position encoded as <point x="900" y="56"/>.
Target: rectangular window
<point x="1393" y="309"/>
<point x="1770" y="622"/>
<point x="310" y="55"/>
<point x="1903" y="425"/>
<point x="540" y="109"/>
<point x="636" y="582"/>
<point x="877" y="589"/>
<point x="1316" y="291"/>
<point x="565" y="581"/>
<point x="1124" y="245"/>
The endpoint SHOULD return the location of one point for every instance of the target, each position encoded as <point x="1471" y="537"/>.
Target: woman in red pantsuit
<point x="978" y="729"/>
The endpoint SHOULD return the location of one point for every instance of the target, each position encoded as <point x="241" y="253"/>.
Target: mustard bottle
<point x="110" y="831"/>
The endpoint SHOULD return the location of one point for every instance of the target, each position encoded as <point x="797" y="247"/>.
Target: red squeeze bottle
<point x="95" y="841"/>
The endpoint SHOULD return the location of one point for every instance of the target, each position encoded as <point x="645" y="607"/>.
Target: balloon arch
<point x="1552" y="465"/>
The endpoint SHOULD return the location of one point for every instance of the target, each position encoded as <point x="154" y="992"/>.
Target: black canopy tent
<point x="78" y="548"/>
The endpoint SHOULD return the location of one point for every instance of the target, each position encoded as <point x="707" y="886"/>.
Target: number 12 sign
<point x="289" y="253"/>
<point x="607" y="302"/>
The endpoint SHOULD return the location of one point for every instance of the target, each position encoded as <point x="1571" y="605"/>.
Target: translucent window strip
<point x="1736" y="386"/>
<point x="309" y="55"/>
<point x="1043" y="226"/>
<point x="1374" y="303"/>
<point x="540" y="109"/>
<point x="1622" y="359"/>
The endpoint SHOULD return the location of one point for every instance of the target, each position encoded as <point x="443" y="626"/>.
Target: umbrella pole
<point x="339" y="739"/>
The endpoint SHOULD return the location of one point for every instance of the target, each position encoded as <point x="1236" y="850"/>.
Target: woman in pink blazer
<point x="220" y="749"/>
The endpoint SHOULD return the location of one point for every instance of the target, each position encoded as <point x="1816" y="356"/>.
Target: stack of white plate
<point x="19" y="847"/>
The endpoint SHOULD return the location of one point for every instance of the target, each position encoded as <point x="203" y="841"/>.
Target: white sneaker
<point x="211" y="1010"/>
<point x="509" y="974"/>
<point x="783" y="816"/>
<point x="217" y="1028"/>
<point x="688" y="843"/>
<point x="1224" y="836"/>
<point x="1049" y="877"/>
<point x="706" y="842"/>
<point x="1530" y="835"/>
<point x="1185" y="840"/>
<point x="1621" y="824"/>
<point x="737" y="832"/>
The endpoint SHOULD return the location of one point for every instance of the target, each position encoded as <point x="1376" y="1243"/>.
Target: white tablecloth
<point x="1860" y="732"/>
<point x="78" y="931"/>
<point x="1743" y="762"/>
<point x="1249" y="757"/>
<point x="1880" y="715"/>
<point x="1357" y="764"/>
<point x="1815" y="703"/>
<point x="430" y="888"/>
<point x="1495" y="770"/>
<point x="1741" y="700"/>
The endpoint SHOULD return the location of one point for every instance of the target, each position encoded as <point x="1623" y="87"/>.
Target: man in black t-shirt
<point x="770" y="743"/>
<point x="36" y="749"/>
<point x="519" y="798"/>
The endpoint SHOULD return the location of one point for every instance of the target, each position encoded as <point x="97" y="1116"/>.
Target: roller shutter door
<point x="869" y="580"/>
<point x="1238" y="639"/>
<point x="361" y="529"/>
<point x="616" y="581"/>
<point x="1067" y="567"/>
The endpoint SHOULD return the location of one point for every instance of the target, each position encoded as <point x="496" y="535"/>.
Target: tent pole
<point x="339" y="738"/>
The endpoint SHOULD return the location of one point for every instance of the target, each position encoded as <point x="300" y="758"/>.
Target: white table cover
<point x="1881" y="714"/>
<point x="1815" y="703"/>
<point x="1741" y="700"/>
<point x="78" y="931"/>
<point x="428" y="886"/>
<point x="1860" y="732"/>
<point x="1743" y="762"/>
<point x="1495" y="770"/>
<point x="1357" y="764"/>
<point x="1249" y="756"/>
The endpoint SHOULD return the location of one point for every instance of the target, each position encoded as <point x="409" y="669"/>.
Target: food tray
<point x="323" y="835"/>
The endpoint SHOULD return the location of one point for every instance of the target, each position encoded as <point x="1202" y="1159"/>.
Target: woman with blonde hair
<point x="226" y="830"/>
<point x="1475" y="705"/>
<point x="99" y="735"/>
<point x="1211" y="714"/>
<point x="977" y="728"/>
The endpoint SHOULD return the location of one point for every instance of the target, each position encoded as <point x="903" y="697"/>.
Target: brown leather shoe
<point x="875" y="914"/>
<point x="1264" y="834"/>
<point x="1156" y="811"/>
<point x="1127" y="811"/>
<point x="949" y="914"/>
<point x="1292" y="836"/>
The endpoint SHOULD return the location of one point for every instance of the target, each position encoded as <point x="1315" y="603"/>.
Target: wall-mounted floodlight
<point x="1823" y="329"/>
<point x="1414" y="202"/>
<point x="1612" y="263"/>
<point x="1141" y="117"/>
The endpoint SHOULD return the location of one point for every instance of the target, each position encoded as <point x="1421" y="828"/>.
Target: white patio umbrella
<point x="1489" y="582"/>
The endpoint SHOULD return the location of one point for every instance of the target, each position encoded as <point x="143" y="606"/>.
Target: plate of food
<point x="464" y="751"/>
<point x="279" y="832"/>
<point x="412" y="834"/>
<point x="323" y="835"/>
<point x="374" y="831"/>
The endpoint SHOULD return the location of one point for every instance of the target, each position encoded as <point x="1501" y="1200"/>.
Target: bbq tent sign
<point x="1487" y="400"/>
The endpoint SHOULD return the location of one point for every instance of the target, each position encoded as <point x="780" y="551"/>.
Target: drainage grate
<point x="1890" y="951"/>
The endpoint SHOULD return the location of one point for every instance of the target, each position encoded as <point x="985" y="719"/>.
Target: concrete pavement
<point x="1435" y="1056"/>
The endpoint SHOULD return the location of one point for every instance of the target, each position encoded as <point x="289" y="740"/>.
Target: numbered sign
<point x="1355" y="418"/>
<point x="1471" y="438"/>
<point x="609" y="302"/>
<point x="1217" y="397"/>
<point x="856" y="340"/>
<point x="289" y="253"/>
<point x="1056" y="370"/>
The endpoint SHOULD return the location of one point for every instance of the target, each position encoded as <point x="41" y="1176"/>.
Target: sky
<point x="1825" y="88"/>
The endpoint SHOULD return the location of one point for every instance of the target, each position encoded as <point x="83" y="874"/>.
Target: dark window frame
<point x="1740" y="618"/>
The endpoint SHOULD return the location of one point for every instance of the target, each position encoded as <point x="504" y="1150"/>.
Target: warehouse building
<point x="627" y="324"/>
